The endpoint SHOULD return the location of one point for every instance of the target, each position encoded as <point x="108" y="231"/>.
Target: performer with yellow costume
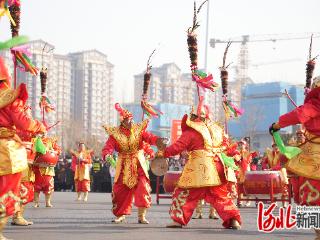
<point x="204" y="175"/>
<point x="275" y="161"/>
<point x="13" y="155"/>
<point x="81" y="161"/>
<point x="131" y="180"/>
<point x="306" y="165"/>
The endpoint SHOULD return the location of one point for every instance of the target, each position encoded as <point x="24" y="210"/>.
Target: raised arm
<point x="301" y="114"/>
<point x="109" y="147"/>
<point x="21" y="120"/>
<point x="150" y="138"/>
<point x="179" y="146"/>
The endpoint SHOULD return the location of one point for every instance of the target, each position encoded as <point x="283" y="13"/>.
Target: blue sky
<point x="127" y="31"/>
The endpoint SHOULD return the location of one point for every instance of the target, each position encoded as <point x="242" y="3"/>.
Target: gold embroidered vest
<point x="47" y="171"/>
<point x="129" y="153"/>
<point x="28" y="174"/>
<point x="307" y="163"/>
<point x="13" y="157"/>
<point x="200" y="169"/>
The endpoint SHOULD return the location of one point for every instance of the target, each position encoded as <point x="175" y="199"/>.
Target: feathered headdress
<point x="203" y="110"/>
<point x="230" y="109"/>
<point x="147" y="108"/>
<point x="124" y="113"/>
<point x="309" y="70"/>
<point x="203" y="80"/>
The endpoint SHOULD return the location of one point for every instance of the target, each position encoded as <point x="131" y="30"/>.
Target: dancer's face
<point x="275" y="148"/>
<point x="82" y="147"/>
<point x="127" y="123"/>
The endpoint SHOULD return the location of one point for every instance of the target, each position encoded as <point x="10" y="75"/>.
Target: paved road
<point x="92" y="221"/>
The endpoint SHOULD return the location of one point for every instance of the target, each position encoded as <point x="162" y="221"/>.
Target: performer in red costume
<point x="13" y="155"/>
<point x="244" y="160"/>
<point x="44" y="181"/>
<point x="131" y="179"/>
<point x="306" y="165"/>
<point x="81" y="161"/>
<point x="204" y="175"/>
<point x="28" y="177"/>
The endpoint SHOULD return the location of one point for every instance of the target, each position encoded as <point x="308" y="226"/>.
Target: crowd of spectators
<point x="100" y="176"/>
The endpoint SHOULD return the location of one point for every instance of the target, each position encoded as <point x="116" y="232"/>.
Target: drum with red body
<point x="170" y="180"/>
<point x="259" y="182"/>
<point x="49" y="159"/>
<point x="30" y="153"/>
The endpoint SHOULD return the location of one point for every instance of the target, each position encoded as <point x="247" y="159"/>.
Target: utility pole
<point x="207" y="38"/>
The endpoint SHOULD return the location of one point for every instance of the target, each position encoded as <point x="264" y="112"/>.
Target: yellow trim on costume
<point x="129" y="153"/>
<point x="8" y="96"/>
<point x="177" y="203"/>
<point x="307" y="163"/>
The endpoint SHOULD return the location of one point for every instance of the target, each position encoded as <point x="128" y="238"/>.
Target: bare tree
<point x="251" y="120"/>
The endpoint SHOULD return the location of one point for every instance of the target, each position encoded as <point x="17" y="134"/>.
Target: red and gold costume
<point x="245" y="159"/>
<point x="275" y="161"/>
<point x="44" y="181"/>
<point x="13" y="155"/>
<point x="306" y="165"/>
<point x="148" y="151"/>
<point x="81" y="161"/>
<point x="27" y="180"/>
<point x="131" y="180"/>
<point x="204" y="175"/>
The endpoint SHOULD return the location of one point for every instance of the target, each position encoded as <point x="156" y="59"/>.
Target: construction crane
<point x="243" y="59"/>
<point x="244" y="39"/>
<point x="242" y="76"/>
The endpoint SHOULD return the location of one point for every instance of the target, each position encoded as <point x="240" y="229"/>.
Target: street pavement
<point x="73" y="220"/>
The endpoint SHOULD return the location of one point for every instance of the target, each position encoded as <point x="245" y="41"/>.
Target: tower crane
<point x="243" y="59"/>
<point x="244" y="39"/>
<point x="242" y="77"/>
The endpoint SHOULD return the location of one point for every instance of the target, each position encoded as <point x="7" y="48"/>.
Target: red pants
<point x="82" y="186"/>
<point x="306" y="191"/>
<point x="184" y="201"/>
<point x="43" y="183"/>
<point x="9" y="194"/>
<point x="233" y="189"/>
<point x="26" y="192"/>
<point x="122" y="196"/>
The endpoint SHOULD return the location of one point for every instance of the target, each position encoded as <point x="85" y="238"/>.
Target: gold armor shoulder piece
<point x="142" y="124"/>
<point x="8" y="96"/>
<point x="215" y="123"/>
<point x="110" y="130"/>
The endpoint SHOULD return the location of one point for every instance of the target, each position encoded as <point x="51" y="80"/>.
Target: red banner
<point x="175" y="130"/>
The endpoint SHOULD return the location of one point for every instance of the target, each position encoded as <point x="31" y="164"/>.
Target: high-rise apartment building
<point x="79" y="85"/>
<point x="167" y="85"/>
<point x="92" y="84"/>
